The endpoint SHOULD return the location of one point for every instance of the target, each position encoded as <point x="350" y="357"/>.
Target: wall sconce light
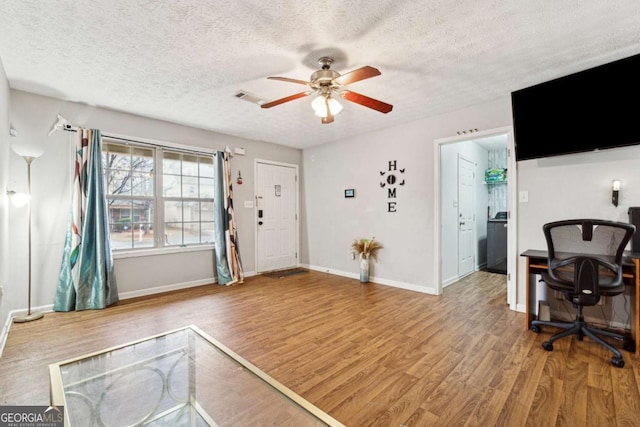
<point x="616" y="190"/>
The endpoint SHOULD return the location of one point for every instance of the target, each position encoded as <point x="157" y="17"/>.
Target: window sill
<point x="160" y="251"/>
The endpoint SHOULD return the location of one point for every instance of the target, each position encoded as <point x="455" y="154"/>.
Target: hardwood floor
<point x="369" y="355"/>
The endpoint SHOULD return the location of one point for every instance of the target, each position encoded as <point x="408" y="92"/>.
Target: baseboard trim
<point x="166" y="288"/>
<point x="450" y="281"/>
<point x="372" y="279"/>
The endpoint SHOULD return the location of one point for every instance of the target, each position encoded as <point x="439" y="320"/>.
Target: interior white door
<point x="466" y="216"/>
<point x="276" y="217"/>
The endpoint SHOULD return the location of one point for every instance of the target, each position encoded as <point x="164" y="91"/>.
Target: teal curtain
<point x="87" y="279"/>
<point x="227" y="256"/>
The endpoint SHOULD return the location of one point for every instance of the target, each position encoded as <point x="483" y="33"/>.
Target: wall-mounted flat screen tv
<point x="591" y="110"/>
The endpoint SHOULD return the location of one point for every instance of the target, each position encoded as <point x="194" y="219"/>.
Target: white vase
<point x="364" y="269"/>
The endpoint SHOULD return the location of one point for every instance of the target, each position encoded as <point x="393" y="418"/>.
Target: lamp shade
<point x="319" y="106"/>
<point x="26" y="149"/>
<point x="24" y="146"/>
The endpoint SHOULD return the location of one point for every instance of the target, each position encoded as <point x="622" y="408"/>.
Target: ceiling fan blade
<point x="286" y="99"/>
<point x="374" y="104"/>
<point x="357" y="75"/>
<point x="287" y="79"/>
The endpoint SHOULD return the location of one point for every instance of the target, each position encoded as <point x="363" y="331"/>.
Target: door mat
<point x="280" y="274"/>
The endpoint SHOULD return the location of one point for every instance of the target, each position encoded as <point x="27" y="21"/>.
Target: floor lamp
<point x="30" y="315"/>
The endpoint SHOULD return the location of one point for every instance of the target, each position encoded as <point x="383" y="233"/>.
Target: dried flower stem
<point x="367" y="248"/>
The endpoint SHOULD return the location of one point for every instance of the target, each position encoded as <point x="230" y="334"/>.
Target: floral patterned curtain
<point x="87" y="279"/>
<point x="227" y="256"/>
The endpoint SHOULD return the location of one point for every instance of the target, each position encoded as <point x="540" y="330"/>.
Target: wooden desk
<point x="536" y="263"/>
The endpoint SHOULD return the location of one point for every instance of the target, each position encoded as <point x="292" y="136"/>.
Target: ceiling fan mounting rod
<point x="325" y="62"/>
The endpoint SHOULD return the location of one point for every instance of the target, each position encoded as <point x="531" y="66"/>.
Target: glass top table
<point x="180" y="378"/>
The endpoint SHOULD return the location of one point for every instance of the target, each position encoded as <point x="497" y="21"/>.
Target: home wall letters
<point x="394" y="179"/>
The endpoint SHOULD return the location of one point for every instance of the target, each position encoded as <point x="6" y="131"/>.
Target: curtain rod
<point x="63" y="124"/>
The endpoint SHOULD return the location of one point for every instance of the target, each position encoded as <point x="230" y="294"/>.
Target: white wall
<point x="33" y="116"/>
<point x="332" y="221"/>
<point x="4" y="200"/>
<point x="573" y="186"/>
<point x="563" y="187"/>
<point x="449" y="184"/>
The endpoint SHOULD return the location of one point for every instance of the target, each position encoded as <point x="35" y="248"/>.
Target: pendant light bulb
<point x="319" y="106"/>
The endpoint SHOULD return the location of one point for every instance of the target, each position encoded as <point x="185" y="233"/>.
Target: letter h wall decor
<point x="393" y="178"/>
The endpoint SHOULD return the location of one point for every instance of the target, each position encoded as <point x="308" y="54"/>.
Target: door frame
<point x="255" y="206"/>
<point x="512" y="225"/>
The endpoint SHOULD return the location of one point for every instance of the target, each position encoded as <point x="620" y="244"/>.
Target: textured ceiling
<point x="184" y="60"/>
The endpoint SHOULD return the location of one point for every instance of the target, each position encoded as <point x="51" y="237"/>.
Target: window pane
<point x="191" y="211"/>
<point x="120" y="223"/>
<point x="142" y="235"/>
<point x="172" y="233"/>
<point x="206" y="188"/>
<point x="189" y="165"/>
<point x="191" y="233"/>
<point x="206" y="211"/>
<point x="206" y="232"/>
<point x="206" y="167"/>
<point x="142" y="184"/>
<point x="172" y="211"/>
<point x="116" y="149"/>
<point x="171" y="163"/>
<point x="142" y="159"/>
<point x="171" y="185"/>
<point x="118" y="182"/>
<point x="143" y="211"/>
<point x="128" y="170"/>
<point x="117" y="157"/>
<point x="189" y="186"/>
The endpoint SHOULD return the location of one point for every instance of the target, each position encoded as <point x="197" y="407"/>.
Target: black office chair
<point x="585" y="263"/>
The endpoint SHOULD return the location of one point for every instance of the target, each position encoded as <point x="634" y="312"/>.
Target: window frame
<point x="158" y="149"/>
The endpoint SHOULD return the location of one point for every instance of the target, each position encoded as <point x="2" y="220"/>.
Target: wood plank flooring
<point x="367" y="354"/>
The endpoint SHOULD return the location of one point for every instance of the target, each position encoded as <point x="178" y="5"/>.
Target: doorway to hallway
<point x="492" y="200"/>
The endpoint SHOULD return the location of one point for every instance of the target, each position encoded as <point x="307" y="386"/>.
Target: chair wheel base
<point x="548" y="346"/>
<point x="617" y="362"/>
<point x="535" y="328"/>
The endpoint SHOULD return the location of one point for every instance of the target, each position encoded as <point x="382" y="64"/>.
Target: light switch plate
<point x="523" y="196"/>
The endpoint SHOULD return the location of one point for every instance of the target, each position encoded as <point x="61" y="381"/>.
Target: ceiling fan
<point x="326" y="82"/>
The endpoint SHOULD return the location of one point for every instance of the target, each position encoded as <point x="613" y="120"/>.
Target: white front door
<point x="276" y="216"/>
<point x="466" y="217"/>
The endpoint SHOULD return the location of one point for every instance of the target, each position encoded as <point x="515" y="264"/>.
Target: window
<point x="157" y="197"/>
<point x="187" y="191"/>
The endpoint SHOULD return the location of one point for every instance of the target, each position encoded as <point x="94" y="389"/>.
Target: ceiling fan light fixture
<point x="319" y="106"/>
